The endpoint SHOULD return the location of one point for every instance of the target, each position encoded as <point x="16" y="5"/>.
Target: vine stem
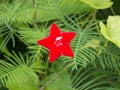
<point x="112" y="10"/>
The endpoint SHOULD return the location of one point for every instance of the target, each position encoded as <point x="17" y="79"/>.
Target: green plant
<point x="25" y="65"/>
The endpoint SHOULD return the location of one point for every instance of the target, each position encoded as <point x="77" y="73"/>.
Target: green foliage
<point x="57" y="85"/>
<point x="17" y="11"/>
<point x="16" y="70"/>
<point x="87" y="80"/>
<point x="8" y="33"/>
<point x="83" y="54"/>
<point x="32" y="33"/>
<point x="109" y="57"/>
<point x="31" y="36"/>
<point x="83" y="79"/>
<point x="52" y="9"/>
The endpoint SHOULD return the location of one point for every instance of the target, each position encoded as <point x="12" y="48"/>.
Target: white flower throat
<point x="58" y="41"/>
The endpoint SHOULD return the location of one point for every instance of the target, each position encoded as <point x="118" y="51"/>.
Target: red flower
<point x="58" y="43"/>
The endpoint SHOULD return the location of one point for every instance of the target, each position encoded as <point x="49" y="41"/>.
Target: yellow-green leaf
<point x="98" y="4"/>
<point x="112" y="30"/>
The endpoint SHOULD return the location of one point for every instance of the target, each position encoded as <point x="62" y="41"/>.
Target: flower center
<point x="58" y="41"/>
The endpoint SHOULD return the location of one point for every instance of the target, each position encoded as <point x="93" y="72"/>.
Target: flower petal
<point x="55" y="52"/>
<point x="68" y="36"/>
<point x="66" y="50"/>
<point x="54" y="30"/>
<point x="46" y="42"/>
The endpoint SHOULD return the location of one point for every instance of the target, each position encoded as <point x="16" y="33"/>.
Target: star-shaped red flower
<point x="58" y="43"/>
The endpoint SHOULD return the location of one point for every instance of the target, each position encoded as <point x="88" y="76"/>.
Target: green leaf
<point x="63" y="82"/>
<point x="98" y="4"/>
<point x="28" y="85"/>
<point x="112" y="30"/>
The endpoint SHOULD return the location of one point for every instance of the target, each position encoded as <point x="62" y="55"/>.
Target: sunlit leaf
<point x="98" y="4"/>
<point x="112" y="30"/>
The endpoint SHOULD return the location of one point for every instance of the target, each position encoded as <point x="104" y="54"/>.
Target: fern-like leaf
<point x="17" y="70"/>
<point x="87" y="80"/>
<point x="83" y="54"/>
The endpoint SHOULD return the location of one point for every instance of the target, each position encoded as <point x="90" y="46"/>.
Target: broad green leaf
<point x="112" y="30"/>
<point x="63" y="82"/>
<point x="98" y="4"/>
<point x="28" y="85"/>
